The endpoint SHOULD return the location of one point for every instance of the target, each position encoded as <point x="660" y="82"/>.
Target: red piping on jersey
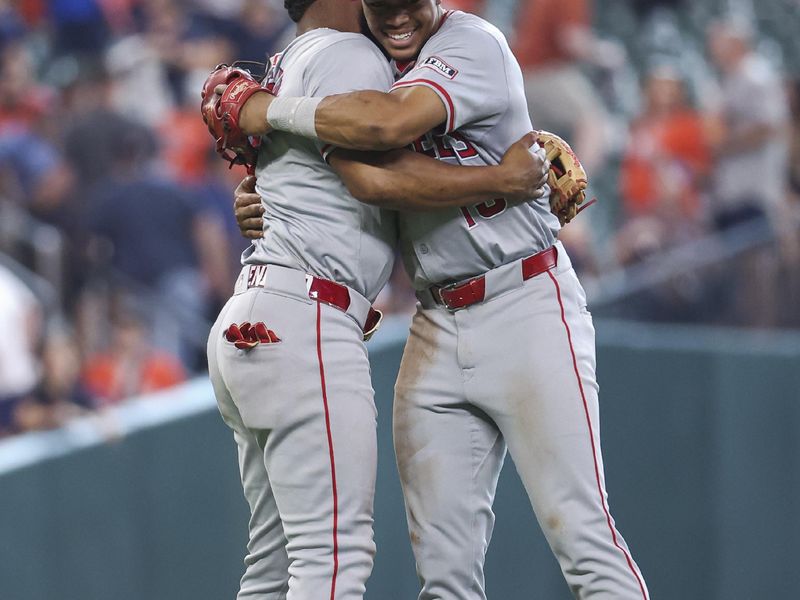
<point x="591" y="439"/>
<point x="446" y="14"/>
<point x="451" y="110"/>
<point x="330" y="452"/>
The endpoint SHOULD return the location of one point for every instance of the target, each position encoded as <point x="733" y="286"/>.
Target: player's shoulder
<point x="342" y="62"/>
<point x="459" y="23"/>
<point x="459" y="28"/>
<point x="343" y="42"/>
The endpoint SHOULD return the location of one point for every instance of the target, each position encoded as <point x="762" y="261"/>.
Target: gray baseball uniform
<point x="295" y="385"/>
<point x="507" y="359"/>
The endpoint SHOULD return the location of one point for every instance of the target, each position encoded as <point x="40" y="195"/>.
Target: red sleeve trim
<point x="446" y="14"/>
<point x="451" y="109"/>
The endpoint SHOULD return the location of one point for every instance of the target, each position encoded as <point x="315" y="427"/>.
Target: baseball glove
<point x="221" y="113"/>
<point x="567" y="178"/>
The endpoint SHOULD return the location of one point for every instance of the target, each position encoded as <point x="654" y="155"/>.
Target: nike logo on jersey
<point x="437" y="64"/>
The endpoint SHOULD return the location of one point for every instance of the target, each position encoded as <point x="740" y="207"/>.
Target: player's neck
<point x="328" y="14"/>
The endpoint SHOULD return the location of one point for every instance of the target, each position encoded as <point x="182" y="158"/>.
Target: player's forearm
<point x="404" y="180"/>
<point x="364" y="120"/>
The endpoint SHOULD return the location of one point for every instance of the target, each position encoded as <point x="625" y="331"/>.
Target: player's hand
<point x="248" y="210"/>
<point x="524" y="170"/>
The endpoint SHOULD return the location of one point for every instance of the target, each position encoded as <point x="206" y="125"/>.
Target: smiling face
<point x="402" y="26"/>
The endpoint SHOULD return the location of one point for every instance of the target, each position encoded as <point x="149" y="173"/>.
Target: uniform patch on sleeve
<point x="437" y="64"/>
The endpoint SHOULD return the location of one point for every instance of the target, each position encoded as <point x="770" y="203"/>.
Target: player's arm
<point x="378" y="121"/>
<point x="362" y="120"/>
<point x="406" y="180"/>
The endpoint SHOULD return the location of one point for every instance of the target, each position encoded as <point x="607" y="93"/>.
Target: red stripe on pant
<point x="591" y="438"/>
<point x="330" y="452"/>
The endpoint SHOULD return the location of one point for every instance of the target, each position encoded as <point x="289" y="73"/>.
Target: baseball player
<point x="501" y="351"/>
<point x="286" y="355"/>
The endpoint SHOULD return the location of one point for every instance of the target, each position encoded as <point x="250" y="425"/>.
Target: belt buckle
<point x="437" y="295"/>
<point x="441" y="291"/>
<point x="467" y="285"/>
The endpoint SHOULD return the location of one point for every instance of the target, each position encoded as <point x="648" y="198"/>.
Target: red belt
<point x="322" y="290"/>
<point x="473" y="291"/>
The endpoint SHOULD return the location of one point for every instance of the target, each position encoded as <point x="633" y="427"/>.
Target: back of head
<point x="297" y="8"/>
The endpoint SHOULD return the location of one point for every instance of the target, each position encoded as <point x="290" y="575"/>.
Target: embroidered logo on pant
<point x="247" y="336"/>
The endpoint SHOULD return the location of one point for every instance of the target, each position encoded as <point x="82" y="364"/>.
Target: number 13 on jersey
<point x="485" y="210"/>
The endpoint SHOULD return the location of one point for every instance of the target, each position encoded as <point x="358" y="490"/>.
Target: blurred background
<point x="118" y="247"/>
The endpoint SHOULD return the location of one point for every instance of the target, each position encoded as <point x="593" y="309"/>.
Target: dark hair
<point x="297" y="8"/>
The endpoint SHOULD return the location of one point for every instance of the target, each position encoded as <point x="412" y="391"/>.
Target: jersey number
<point x="487" y="210"/>
<point x="454" y="145"/>
<point x="440" y="146"/>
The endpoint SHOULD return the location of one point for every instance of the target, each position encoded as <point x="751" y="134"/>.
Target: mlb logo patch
<point x="436" y="63"/>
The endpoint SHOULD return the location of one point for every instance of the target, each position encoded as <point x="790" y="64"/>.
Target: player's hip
<point x="522" y="275"/>
<point x="505" y="328"/>
<point x="280" y="351"/>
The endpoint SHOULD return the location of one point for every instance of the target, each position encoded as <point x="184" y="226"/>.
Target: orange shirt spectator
<point x="668" y="154"/>
<point x="185" y="144"/>
<point x="131" y="366"/>
<point x="541" y="30"/>
<point x="109" y="379"/>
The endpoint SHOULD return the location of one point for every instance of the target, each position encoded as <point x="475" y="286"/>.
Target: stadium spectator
<point x="80" y="26"/>
<point x="262" y="27"/>
<point x="752" y="152"/>
<point x="94" y="126"/>
<point x="12" y="23"/>
<point x="750" y="140"/>
<point x="130" y="365"/>
<point x="37" y="177"/>
<point x="82" y="78"/>
<point x="667" y="160"/>
<point x="60" y="395"/>
<point x="160" y="240"/>
<point x="21" y="323"/>
<point x="794" y="136"/>
<point x="553" y="40"/>
<point x="24" y="102"/>
<point x="214" y="190"/>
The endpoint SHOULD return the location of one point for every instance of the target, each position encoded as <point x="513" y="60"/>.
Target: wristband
<point x="294" y="115"/>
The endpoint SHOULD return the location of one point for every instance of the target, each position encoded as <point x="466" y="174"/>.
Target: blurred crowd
<point x="103" y="157"/>
<point x="117" y="241"/>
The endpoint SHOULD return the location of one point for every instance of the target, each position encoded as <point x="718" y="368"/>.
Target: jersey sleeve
<point x="466" y="67"/>
<point x="350" y="64"/>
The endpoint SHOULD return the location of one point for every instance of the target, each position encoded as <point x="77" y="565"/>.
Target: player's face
<point x="402" y="26"/>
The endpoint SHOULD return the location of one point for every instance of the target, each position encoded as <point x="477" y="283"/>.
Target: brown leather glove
<point x="567" y="178"/>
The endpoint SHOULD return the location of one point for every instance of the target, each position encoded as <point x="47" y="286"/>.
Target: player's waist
<point x="294" y="282"/>
<point x="494" y="282"/>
